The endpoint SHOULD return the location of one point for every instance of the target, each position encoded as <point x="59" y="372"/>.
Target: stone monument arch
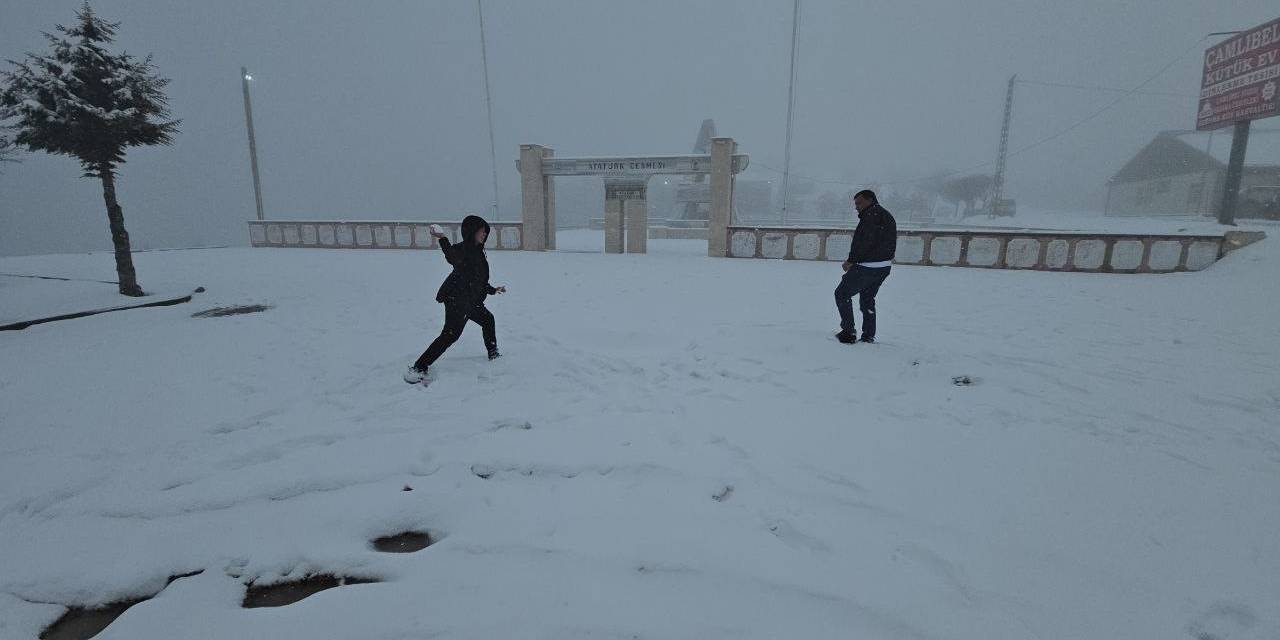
<point x="626" y="179"/>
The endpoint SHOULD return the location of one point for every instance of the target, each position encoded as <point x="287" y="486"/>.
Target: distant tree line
<point x="969" y="194"/>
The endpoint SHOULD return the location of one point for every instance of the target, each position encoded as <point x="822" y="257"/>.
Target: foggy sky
<point x="376" y="110"/>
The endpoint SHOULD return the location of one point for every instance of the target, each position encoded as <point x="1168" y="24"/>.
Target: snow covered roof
<point x="1167" y="155"/>
<point x="1179" y="152"/>
<point x="1264" y="144"/>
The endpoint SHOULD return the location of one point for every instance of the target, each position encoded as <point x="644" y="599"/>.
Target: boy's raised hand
<point x="500" y="290"/>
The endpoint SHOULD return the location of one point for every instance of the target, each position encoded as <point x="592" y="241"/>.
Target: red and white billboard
<point x="1240" y="78"/>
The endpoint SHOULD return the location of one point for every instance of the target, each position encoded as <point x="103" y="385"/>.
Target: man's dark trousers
<point x="863" y="282"/>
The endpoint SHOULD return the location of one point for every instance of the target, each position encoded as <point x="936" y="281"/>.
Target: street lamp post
<point x="791" y="102"/>
<point x="488" y="102"/>
<point x="253" y="145"/>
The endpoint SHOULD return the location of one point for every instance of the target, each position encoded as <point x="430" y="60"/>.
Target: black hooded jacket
<point x="876" y="238"/>
<point x="469" y="281"/>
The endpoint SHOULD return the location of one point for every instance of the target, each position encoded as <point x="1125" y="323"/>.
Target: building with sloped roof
<point x="1182" y="173"/>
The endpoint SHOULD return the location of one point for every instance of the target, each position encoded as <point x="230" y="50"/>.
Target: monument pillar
<point x="721" y="214"/>
<point x="626" y="218"/>
<point x="637" y="214"/>
<point x="549" y="196"/>
<point x="613" y="219"/>
<point x="537" y="199"/>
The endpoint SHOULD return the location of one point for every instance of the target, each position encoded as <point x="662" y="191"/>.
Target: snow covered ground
<point x="25" y="298"/>
<point x="672" y="447"/>
<point x="28" y="298"/>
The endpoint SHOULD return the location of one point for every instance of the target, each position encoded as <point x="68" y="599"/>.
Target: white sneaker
<point x="413" y="375"/>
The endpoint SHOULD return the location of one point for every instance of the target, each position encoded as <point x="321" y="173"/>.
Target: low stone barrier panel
<point x="1033" y="250"/>
<point x="360" y="234"/>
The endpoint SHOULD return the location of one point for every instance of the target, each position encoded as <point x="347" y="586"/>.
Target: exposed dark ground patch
<point x="222" y="312"/>
<point x="79" y="623"/>
<point x="286" y="593"/>
<point x="406" y="542"/>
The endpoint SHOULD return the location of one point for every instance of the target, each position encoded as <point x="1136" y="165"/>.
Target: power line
<point x="1086" y="87"/>
<point x="1076" y="125"/>
<point x="1109" y="105"/>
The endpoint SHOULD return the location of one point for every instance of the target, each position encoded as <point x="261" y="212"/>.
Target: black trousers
<point x="863" y="282"/>
<point x="456" y="315"/>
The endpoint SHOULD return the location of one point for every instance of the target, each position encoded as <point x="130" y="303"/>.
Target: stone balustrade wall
<point x="317" y="234"/>
<point x="1038" y="250"/>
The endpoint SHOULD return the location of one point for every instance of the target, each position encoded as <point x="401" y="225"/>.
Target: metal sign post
<point x="1235" y="173"/>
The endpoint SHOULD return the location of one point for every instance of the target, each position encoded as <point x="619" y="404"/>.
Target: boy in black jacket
<point x="870" y="255"/>
<point x="463" y="294"/>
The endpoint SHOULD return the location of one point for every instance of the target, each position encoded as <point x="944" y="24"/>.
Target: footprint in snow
<point x="1222" y="621"/>
<point x="794" y="537"/>
<point x="512" y="423"/>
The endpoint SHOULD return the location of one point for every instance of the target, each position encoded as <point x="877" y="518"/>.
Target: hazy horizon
<point x="378" y="112"/>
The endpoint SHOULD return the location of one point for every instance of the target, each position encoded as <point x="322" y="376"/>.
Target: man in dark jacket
<point x="463" y="294"/>
<point x="870" y="255"/>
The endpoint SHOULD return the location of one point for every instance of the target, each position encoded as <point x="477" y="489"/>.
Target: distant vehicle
<point x="1261" y="201"/>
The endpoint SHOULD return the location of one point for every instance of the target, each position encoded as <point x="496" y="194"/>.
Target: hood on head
<point x="472" y="224"/>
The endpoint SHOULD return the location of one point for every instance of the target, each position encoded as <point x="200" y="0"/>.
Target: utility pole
<point x="1235" y="171"/>
<point x="997" y="186"/>
<point x="791" y="104"/>
<point x="488" y="102"/>
<point x="253" y="145"/>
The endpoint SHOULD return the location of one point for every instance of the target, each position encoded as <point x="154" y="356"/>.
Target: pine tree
<point x="81" y="100"/>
